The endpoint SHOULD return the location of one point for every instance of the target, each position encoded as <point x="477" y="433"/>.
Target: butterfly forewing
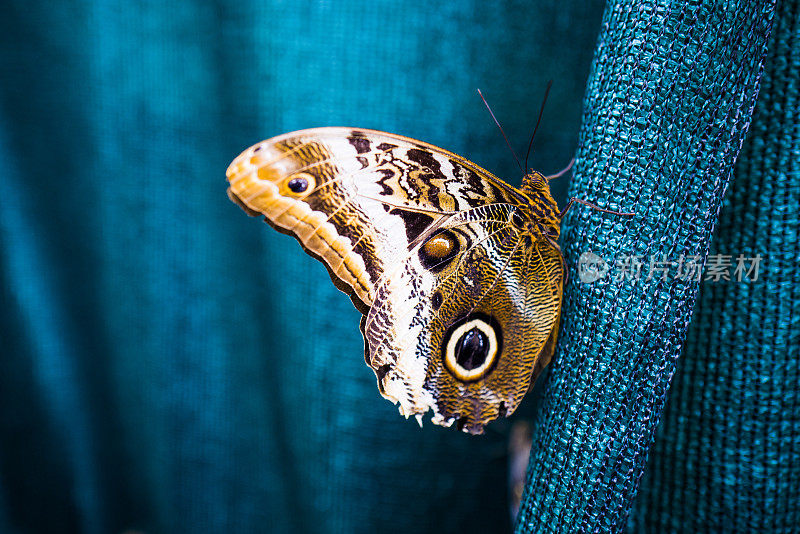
<point x="367" y="194"/>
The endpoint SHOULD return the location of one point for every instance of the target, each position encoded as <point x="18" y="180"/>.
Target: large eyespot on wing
<point x="471" y="346"/>
<point x="356" y="199"/>
<point x="521" y="306"/>
<point x="464" y="337"/>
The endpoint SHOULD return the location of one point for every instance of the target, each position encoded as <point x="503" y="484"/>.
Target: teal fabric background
<point x="171" y="365"/>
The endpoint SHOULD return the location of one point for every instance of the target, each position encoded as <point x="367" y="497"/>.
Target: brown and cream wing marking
<point x="356" y="198"/>
<point x="457" y="273"/>
<point x="464" y="334"/>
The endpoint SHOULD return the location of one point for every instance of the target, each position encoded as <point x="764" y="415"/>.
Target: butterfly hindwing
<point x="436" y="252"/>
<point x="464" y="337"/>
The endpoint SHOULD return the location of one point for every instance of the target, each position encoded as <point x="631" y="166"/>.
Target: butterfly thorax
<point x="540" y="214"/>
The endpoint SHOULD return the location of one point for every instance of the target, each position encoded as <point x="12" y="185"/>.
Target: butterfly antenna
<point x="485" y="103"/>
<point x="541" y="111"/>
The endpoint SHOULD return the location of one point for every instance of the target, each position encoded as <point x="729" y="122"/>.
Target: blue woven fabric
<point x="668" y="104"/>
<point x="727" y="455"/>
<point x="169" y="364"/>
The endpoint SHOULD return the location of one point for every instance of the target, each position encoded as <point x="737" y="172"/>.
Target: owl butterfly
<point x="458" y="275"/>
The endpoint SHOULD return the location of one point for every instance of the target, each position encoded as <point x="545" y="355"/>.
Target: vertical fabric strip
<point x="668" y="103"/>
<point x="727" y="454"/>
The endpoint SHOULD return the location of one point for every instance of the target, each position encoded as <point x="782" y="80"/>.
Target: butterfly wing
<point x="465" y="336"/>
<point x="354" y="198"/>
<point x="424" y="243"/>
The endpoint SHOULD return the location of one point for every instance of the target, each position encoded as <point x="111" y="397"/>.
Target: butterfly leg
<point x="593" y="206"/>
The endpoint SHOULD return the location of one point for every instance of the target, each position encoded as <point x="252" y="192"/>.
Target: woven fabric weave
<point x="668" y="104"/>
<point x="727" y="455"/>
